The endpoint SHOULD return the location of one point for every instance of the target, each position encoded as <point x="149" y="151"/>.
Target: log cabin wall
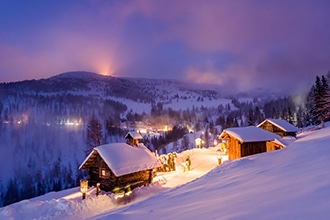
<point x="234" y="148"/>
<point x="135" y="179"/>
<point x="267" y="126"/>
<point x="99" y="172"/>
<point x="271" y="146"/>
<point x="272" y="128"/>
<point x="251" y="148"/>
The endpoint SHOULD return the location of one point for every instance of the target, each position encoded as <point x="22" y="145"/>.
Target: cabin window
<point x="104" y="173"/>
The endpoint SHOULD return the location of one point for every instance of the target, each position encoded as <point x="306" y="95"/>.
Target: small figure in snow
<point x="165" y="165"/>
<point x="188" y="162"/>
<point x="170" y="162"/>
<point x="184" y="165"/>
<point x="174" y="160"/>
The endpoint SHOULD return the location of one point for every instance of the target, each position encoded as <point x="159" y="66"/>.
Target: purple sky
<point x="244" y="43"/>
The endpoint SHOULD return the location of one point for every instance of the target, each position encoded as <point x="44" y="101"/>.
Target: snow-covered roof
<point x="124" y="159"/>
<point x="283" y="124"/>
<point x="252" y="134"/>
<point x="134" y="135"/>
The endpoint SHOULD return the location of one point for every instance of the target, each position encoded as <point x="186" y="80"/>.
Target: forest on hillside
<point x="44" y="136"/>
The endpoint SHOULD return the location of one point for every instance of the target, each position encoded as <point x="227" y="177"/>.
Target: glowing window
<point x="104" y="173"/>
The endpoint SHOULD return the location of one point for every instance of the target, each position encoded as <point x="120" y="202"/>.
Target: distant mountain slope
<point x="87" y="83"/>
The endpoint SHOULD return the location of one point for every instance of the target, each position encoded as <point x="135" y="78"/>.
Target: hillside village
<point x="164" y="109"/>
<point x="120" y="167"/>
<point x="300" y="182"/>
<point x="69" y="108"/>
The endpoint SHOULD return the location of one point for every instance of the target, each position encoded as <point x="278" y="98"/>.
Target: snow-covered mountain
<point x="92" y="84"/>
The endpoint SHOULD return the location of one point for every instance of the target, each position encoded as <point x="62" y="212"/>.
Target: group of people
<point x="169" y="162"/>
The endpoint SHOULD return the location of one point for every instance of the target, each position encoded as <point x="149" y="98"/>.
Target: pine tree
<point x="310" y="106"/>
<point x="251" y="118"/>
<point x="12" y="194"/>
<point x="206" y="138"/>
<point x="318" y="101"/>
<point x="94" y="134"/>
<point x="321" y="104"/>
<point x="326" y="99"/>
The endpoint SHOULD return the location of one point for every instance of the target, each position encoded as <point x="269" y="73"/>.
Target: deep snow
<point x="293" y="183"/>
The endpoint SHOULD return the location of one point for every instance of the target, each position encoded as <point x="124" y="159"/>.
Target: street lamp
<point x="198" y="142"/>
<point x="83" y="188"/>
<point x="98" y="189"/>
<point x="219" y="156"/>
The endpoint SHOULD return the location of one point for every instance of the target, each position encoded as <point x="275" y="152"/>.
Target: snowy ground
<point x="293" y="183"/>
<point x="68" y="204"/>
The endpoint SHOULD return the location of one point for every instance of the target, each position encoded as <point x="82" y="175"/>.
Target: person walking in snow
<point x="184" y="165"/>
<point x="170" y="162"/>
<point x="165" y="165"/>
<point x="174" y="160"/>
<point x="188" y="163"/>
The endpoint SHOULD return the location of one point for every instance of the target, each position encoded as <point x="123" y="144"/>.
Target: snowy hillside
<point x="43" y="123"/>
<point x="292" y="183"/>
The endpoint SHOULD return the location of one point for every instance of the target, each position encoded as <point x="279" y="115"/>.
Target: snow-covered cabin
<point x="133" y="138"/>
<point x="245" y="141"/>
<point x="280" y="127"/>
<point x="119" y="164"/>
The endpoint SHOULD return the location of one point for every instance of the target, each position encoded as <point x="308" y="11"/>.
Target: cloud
<point x="242" y="43"/>
<point x="272" y="39"/>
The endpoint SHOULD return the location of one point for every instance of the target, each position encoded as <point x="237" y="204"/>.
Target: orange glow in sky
<point x="104" y="67"/>
<point x="105" y="70"/>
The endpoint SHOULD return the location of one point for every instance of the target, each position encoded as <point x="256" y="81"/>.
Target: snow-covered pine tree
<point x="309" y="106"/>
<point x="94" y="134"/>
<point x="206" y="137"/>
<point x="318" y="101"/>
<point x="326" y="98"/>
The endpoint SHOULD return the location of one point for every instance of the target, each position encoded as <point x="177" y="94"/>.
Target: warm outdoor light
<point x="215" y="142"/>
<point x="98" y="189"/>
<point x="128" y="190"/>
<point x="219" y="156"/>
<point x="118" y="193"/>
<point x="83" y="188"/>
<point x="198" y="142"/>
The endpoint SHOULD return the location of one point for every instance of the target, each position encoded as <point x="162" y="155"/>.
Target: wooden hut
<point x="133" y="138"/>
<point x="245" y="141"/>
<point x="280" y="127"/>
<point x="119" y="164"/>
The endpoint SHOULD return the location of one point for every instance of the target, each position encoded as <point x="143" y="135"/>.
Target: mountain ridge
<point x="103" y="85"/>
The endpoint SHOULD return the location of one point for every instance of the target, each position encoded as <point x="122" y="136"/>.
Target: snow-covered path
<point x="68" y="204"/>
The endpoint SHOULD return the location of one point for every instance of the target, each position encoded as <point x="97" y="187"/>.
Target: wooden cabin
<point x="133" y="138"/>
<point x="245" y="141"/>
<point x="119" y="165"/>
<point x="280" y="127"/>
